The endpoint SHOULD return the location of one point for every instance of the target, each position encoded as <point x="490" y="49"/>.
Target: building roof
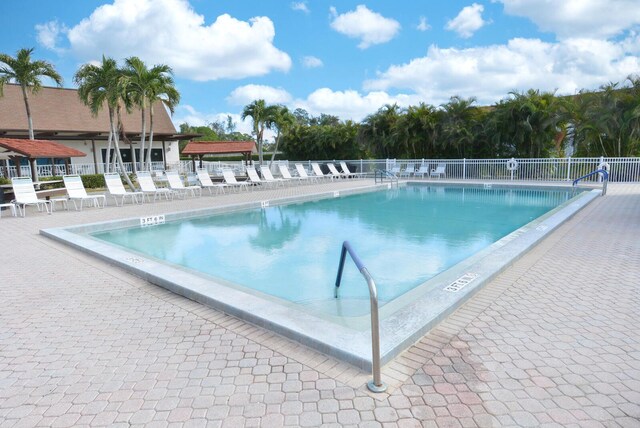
<point x="59" y="114"/>
<point x="36" y="149"/>
<point x="218" y="147"/>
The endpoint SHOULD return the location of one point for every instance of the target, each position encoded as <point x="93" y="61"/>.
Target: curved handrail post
<point x="375" y="385"/>
<point x="605" y="179"/>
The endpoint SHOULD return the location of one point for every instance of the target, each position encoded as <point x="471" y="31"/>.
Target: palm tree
<point x="145" y="86"/>
<point x="279" y="117"/>
<point x="257" y="110"/>
<point x="99" y="85"/>
<point x="26" y="73"/>
<point x="162" y="89"/>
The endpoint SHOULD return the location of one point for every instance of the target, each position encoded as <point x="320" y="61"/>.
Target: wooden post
<point x="16" y="161"/>
<point x="95" y="158"/>
<point x="34" y="170"/>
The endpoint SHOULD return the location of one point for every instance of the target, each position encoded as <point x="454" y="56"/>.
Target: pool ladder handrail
<point x="605" y="179"/>
<point x="376" y="384"/>
<point x="384" y="173"/>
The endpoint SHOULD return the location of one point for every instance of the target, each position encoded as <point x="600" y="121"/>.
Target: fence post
<point x="464" y="168"/>
<point x="569" y="168"/>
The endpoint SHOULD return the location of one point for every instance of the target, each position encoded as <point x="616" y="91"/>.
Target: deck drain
<point x="461" y="282"/>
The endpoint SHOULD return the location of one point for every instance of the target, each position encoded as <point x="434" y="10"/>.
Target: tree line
<point x="531" y="124"/>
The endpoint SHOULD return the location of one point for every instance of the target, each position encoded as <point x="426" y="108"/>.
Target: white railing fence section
<point x="544" y="169"/>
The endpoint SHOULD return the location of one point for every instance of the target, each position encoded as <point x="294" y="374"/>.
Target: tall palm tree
<point x="257" y="110"/>
<point x="26" y="73"/>
<point x="162" y="89"/>
<point x="99" y="85"/>
<point x="280" y="118"/>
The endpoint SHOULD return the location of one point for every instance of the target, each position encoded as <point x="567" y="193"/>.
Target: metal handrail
<point x="605" y="179"/>
<point x="375" y="385"/>
<point x="384" y="173"/>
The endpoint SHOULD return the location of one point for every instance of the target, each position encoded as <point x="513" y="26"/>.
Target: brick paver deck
<point x="553" y="341"/>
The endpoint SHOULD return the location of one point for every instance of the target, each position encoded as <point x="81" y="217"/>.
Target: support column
<point x="164" y="154"/>
<point x="34" y="169"/>
<point x="95" y="157"/>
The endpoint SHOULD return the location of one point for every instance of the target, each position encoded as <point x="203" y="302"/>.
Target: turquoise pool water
<point x="404" y="236"/>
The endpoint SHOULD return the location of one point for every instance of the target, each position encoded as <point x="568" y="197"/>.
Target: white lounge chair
<point x="346" y="170"/>
<point x="439" y="171"/>
<point x="334" y="171"/>
<point x="254" y="178"/>
<point x="116" y="189"/>
<point x="284" y="171"/>
<point x="303" y="173"/>
<point x="230" y="179"/>
<point x="395" y="170"/>
<point x="77" y="192"/>
<point x="25" y="194"/>
<point x="205" y="181"/>
<point x="408" y="171"/>
<point x="149" y="188"/>
<point x="318" y="172"/>
<point x="269" y="178"/>
<point x="424" y="169"/>
<point x="176" y="184"/>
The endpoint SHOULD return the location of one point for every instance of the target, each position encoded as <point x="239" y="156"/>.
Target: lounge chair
<point x="254" y="178"/>
<point x="269" y="178"/>
<point x="346" y="170"/>
<point x="205" y="181"/>
<point x="76" y="192"/>
<point x="439" y="171"/>
<point x="395" y="170"/>
<point x="334" y="171"/>
<point x="176" y="184"/>
<point x="284" y="171"/>
<point x="116" y="189"/>
<point x="318" y="172"/>
<point x="25" y="194"/>
<point x="230" y="179"/>
<point x="149" y="188"/>
<point x="303" y="173"/>
<point x="424" y="169"/>
<point x="408" y="171"/>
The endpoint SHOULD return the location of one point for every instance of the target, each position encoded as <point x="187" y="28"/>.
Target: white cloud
<point x="50" y="33"/>
<point x="368" y="26"/>
<point x="351" y="104"/>
<point x="246" y="94"/>
<point x="171" y="32"/>
<point x="311" y="62"/>
<point x="468" y="21"/>
<point x="490" y="72"/>
<point x="187" y="114"/>
<point x="301" y="6"/>
<point x="578" y="18"/>
<point x="422" y="25"/>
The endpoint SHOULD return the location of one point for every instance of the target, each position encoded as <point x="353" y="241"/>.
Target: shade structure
<point x="201" y="148"/>
<point x="34" y="149"/>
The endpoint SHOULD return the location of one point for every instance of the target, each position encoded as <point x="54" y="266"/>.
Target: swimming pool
<point x="274" y="263"/>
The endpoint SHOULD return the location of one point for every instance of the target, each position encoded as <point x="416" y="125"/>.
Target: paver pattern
<point x="552" y="341"/>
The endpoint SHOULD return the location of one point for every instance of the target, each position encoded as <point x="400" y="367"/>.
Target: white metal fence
<point x="544" y="169"/>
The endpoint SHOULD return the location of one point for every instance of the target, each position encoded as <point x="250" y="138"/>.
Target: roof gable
<point x="36" y="149"/>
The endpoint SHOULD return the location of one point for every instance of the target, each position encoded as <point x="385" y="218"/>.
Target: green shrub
<point x="93" y="181"/>
<point x="52" y="185"/>
<point x="4" y="181"/>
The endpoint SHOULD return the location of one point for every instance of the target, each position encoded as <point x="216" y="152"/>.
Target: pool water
<point x="404" y="236"/>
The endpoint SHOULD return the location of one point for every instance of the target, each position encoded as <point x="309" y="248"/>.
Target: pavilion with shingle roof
<point x="13" y="148"/>
<point x="200" y="149"/>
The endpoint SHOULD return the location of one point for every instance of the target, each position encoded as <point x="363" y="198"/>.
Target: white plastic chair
<point x="284" y="171"/>
<point x="424" y="169"/>
<point x="76" y="192"/>
<point x="25" y="194"/>
<point x="205" y="181"/>
<point x="334" y="171"/>
<point x="346" y="170"/>
<point x="303" y="173"/>
<point x="176" y="184"/>
<point x="148" y="187"/>
<point x="230" y="179"/>
<point x="408" y="171"/>
<point x="318" y="172"/>
<point x="254" y="178"/>
<point x="269" y="178"/>
<point x="116" y="189"/>
<point x="439" y="171"/>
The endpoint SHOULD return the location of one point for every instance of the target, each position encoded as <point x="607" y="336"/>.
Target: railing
<point x="542" y="169"/>
<point x="383" y="173"/>
<point x="375" y="385"/>
<point x="605" y="179"/>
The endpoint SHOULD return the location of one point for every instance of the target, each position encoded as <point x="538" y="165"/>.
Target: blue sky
<point x="346" y="58"/>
